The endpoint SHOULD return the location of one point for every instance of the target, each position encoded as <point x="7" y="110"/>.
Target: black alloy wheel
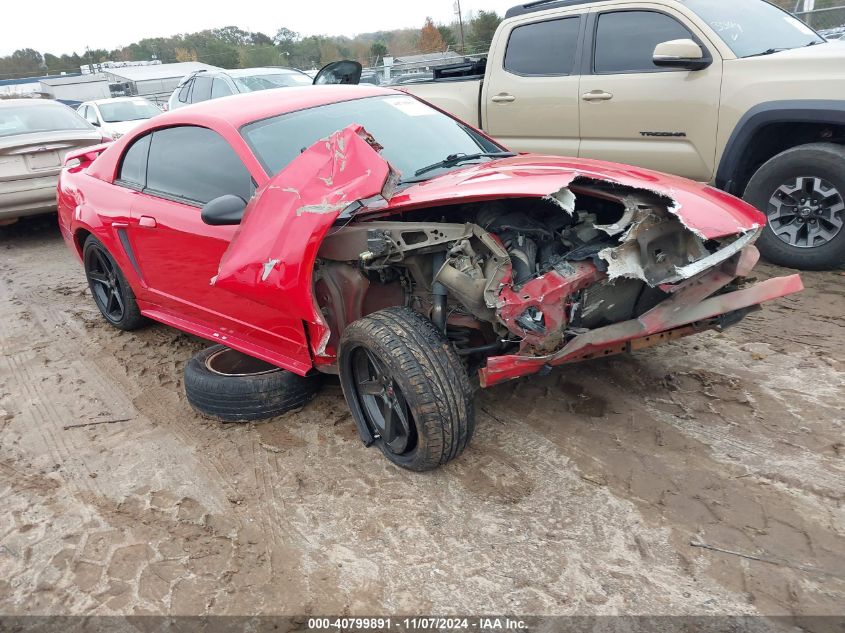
<point x="112" y="293"/>
<point x="382" y="402"/>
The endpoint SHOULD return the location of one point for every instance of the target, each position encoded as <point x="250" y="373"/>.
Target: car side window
<point x="220" y="88"/>
<point x="185" y="91"/>
<point x="133" y="167"/>
<point x="91" y="115"/>
<point x="625" y="40"/>
<point x="194" y="165"/>
<point x="202" y="89"/>
<point x="543" y="48"/>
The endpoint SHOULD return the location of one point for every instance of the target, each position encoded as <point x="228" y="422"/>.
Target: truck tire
<point x="112" y="293"/>
<point x="802" y="193"/>
<point x="405" y="384"/>
<point x="227" y="385"/>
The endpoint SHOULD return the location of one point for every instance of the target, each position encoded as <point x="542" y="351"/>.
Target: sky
<point x="60" y="26"/>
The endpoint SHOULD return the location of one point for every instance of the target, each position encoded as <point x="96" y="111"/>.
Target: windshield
<point x="754" y="27"/>
<point x="39" y="117"/>
<point x="413" y="134"/>
<point x="127" y="111"/>
<point x="250" y="83"/>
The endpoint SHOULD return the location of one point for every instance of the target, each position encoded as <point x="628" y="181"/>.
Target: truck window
<point x="543" y="48"/>
<point x="625" y="40"/>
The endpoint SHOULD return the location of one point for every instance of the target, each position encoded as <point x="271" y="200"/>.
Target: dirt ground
<point x="592" y="490"/>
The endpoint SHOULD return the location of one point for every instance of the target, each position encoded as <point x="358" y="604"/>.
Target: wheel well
<point x="79" y="239"/>
<point x="774" y="138"/>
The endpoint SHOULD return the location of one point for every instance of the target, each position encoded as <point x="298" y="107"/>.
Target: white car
<point x="115" y="117"/>
<point x="204" y="85"/>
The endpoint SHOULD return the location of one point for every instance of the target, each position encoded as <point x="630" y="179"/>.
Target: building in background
<point x="74" y="89"/>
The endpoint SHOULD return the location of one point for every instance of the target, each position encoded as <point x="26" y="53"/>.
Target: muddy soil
<point x="702" y="477"/>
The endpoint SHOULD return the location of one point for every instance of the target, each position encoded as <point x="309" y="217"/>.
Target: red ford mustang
<point x="357" y="230"/>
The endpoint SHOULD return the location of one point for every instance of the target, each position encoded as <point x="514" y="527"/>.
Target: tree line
<point x="233" y="47"/>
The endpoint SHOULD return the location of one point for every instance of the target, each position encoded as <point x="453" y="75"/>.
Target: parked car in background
<point x="35" y="135"/>
<point x="739" y="94"/>
<point x="204" y="85"/>
<point x="360" y="231"/>
<point x="115" y="117"/>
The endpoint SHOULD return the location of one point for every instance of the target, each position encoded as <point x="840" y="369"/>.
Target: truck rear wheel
<point x="407" y="388"/>
<point x="802" y="193"/>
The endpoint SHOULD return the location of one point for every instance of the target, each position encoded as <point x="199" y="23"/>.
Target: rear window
<point x="543" y="48"/>
<point x="39" y="117"/>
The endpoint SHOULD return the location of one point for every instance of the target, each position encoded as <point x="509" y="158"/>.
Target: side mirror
<point x="225" y="210"/>
<point x="685" y="54"/>
<point x="342" y="72"/>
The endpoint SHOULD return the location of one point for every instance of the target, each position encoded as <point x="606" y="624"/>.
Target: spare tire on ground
<point x="225" y="384"/>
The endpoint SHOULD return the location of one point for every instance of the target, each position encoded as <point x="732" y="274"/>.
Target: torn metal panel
<point x="664" y="322"/>
<point x="564" y="198"/>
<point x="271" y="258"/>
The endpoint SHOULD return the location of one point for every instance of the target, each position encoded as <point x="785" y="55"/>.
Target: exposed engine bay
<point x="518" y="275"/>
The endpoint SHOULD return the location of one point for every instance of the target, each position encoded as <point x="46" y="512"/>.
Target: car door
<point x="177" y="254"/>
<point x="635" y="112"/>
<point x="530" y="94"/>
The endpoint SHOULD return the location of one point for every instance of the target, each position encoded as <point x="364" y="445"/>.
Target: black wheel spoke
<point x="388" y="432"/>
<point x="117" y="298"/>
<point x="370" y="388"/>
<point x="100" y="278"/>
<point x="110" y="303"/>
<point x="102" y="261"/>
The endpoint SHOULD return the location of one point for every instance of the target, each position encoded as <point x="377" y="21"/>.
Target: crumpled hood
<point x="704" y="209"/>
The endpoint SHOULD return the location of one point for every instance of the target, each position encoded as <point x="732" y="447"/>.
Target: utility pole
<point x="460" y="24"/>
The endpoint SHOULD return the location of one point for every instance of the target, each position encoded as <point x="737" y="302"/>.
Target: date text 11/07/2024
<point x="416" y="624"/>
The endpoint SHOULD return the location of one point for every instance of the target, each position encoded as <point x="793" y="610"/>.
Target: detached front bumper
<point x="690" y="309"/>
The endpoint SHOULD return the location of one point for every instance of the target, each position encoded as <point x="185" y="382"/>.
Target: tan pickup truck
<point x="739" y="94"/>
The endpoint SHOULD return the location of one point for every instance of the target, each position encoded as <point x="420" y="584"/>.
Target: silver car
<point x="35" y="135"/>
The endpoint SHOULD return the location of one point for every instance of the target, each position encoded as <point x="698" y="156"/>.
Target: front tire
<point x="407" y="388"/>
<point x="112" y="293"/>
<point x="802" y="193"/>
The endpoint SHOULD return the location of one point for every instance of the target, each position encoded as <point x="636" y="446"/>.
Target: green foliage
<point x="233" y="47"/>
<point x="481" y="31"/>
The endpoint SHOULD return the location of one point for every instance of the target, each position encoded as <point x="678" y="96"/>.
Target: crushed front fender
<point x="271" y="258"/>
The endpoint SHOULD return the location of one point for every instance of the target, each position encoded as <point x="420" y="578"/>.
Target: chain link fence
<point x="830" y="22"/>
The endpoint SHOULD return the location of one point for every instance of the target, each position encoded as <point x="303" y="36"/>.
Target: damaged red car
<point x="358" y="231"/>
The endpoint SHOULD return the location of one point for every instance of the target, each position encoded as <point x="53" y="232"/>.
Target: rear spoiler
<point x="85" y="155"/>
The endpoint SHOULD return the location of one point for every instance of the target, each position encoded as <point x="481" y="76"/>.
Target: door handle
<point x="147" y="222"/>
<point x="596" y="95"/>
<point x="503" y="98"/>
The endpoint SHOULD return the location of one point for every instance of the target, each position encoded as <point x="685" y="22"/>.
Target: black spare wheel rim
<point x="806" y="212"/>
<point x="228" y="362"/>
<point x="381" y="402"/>
<point x="106" y="284"/>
